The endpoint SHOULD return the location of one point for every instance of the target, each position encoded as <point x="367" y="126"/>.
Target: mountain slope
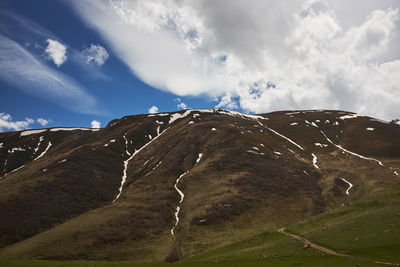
<point x="169" y="186"/>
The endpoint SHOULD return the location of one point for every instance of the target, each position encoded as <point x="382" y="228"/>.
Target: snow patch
<point x="293" y="124"/>
<point x="177" y="116"/>
<point x="350" y="116"/>
<point x="396" y="173"/>
<point x="370" y="129"/>
<point x="158" y="115"/>
<point x="278" y="153"/>
<point x="213" y="129"/>
<point x="15" y="149"/>
<point x="199" y="157"/>
<point x="311" y="123"/>
<point x="321" y="145"/>
<point x="40" y="141"/>
<point x="314" y="160"/>
<point x="25" y="133"/>
<point x="73" y="129"/>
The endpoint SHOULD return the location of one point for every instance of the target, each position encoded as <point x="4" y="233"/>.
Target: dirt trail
<point x="306" y="242"/>
<point x="328" y="251"/>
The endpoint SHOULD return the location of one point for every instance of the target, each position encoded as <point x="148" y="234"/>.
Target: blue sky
<point x="118" y="93"/>
<point x="68" y="63"/>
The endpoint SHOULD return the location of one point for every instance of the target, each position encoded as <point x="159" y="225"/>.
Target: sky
<point x="86" y="62"/>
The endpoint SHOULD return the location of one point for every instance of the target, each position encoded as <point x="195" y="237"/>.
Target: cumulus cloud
<point x="23" y="70"/>
<point x="42" y="121"/>
<point x="95" y="124"/>
<point x="257" y="55"/>
<point x="153" y="109"/>
<point x="181" y="105"/>
<point x="56" y="51"/>
<point x="7" y="123"/>
<point x="96" y="54"/>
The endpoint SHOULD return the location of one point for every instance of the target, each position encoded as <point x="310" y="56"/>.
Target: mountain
<point x="190" y="184"/>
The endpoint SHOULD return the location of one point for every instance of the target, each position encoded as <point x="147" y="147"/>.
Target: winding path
<point x="307" y="242"/>
<point x="329" y="251"/>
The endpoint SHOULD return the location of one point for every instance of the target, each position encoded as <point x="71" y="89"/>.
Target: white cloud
<point x="153" y="109"/>
<point x="42" y="121"/>
<point x="56" y="52"/>
<point x="181" y="105"/>
<point x="6" y="123"/>
<point x="21" y="69"/>
<point x="96" y="54"/>
<point x="95" y="124"/>
<point x="259" y="55"/>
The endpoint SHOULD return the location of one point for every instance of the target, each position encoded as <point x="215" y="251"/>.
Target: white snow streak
<point x="126" y="162"/>
<point x="293" y="123"/>
<point x="20" y="167"/>
<point x="370" y="129"/>
<point x="44" y="152"/>
<point x="321" y="145"/>
<point x="181" y="200"/>
<point x="314" y="160"/>
<point x="25" y="133"/>
<point x="198" y="159"/>
<point x="288" y="139"/>
<point x="350" y="185"/>
<point x="350" y="152"/>
<point x="396" y="173"/>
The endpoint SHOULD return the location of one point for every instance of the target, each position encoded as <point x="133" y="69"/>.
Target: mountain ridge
<point x="250" y="164"/>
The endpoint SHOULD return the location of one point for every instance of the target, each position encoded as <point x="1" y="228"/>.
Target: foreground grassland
<point x="367" y="231"/>
<point x="278" y="250"/>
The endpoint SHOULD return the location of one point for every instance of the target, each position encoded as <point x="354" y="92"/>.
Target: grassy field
<point x="270" y="248"/>
<point x="369" y="228"/>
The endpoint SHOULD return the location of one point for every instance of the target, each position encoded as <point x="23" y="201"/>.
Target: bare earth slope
<point x="169" y="186"/>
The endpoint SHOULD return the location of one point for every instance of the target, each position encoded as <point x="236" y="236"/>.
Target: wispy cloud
<point x="23" y="70"/>
<point x="42" y="121"/>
